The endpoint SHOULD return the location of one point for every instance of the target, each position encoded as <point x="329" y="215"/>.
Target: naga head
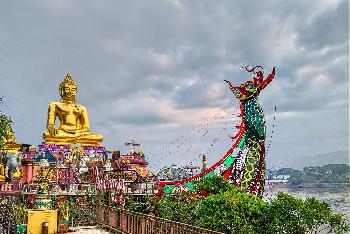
<point x="252" y="88"/>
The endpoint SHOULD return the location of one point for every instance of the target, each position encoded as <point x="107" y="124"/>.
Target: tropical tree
<point x="330" y="173"/>
<point x="220" y="206"/>
<point x="296" y="176"/>
<point x="5" y="123"/>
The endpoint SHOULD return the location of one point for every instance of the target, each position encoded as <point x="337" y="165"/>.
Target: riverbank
<point x="321" y="185"/>
<point x="338" y="198"/>
<point x="270" y="184"/>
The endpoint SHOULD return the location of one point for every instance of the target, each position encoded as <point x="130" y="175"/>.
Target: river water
<point x="338" y="198"/>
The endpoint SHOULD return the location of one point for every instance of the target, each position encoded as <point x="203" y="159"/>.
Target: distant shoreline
<point x="307" y="185"/>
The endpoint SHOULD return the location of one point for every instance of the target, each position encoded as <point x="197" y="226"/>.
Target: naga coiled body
<point x="251" y="175"/>
<point x="245" y="168"/>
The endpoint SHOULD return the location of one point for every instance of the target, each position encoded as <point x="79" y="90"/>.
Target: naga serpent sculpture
<point x="244" y="162"/>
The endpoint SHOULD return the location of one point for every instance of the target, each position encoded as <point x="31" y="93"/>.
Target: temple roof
<point x="46" y="156"/>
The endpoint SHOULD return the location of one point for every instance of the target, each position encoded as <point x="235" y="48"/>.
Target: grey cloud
<point x="126" y="52"/>
<point x="135" y="118"/>
<point x="327" y="29"/>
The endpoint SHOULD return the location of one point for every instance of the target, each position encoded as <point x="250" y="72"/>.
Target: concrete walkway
<point x="88" y="230"/>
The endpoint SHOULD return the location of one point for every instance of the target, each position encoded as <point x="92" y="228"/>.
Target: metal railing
<point x="123" y="221"/>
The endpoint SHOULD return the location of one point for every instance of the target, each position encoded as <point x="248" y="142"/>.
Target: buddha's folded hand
<point x="52" y="130"/>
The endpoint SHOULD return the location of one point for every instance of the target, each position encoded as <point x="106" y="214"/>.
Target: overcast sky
<point x="154" y="70"/>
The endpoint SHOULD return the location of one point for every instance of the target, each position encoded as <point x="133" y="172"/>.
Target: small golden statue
<point x="10" y="136"/>
<point x="11" y="149"/>
<point x="73" y="118"/>
<point x="10" y="143"/>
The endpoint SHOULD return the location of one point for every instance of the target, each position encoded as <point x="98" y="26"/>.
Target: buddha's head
<point x="68" y="89"/>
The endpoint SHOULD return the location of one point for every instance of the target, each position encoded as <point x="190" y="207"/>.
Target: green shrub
<point x="225" y="208"/>
<point x="213" y="185"/>
<point x="19" y="213"/>
<point x="293" y="215"/>
<point x="233" y="212"/>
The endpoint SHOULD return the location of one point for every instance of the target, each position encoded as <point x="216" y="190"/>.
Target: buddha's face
<point x="69" y="92"/>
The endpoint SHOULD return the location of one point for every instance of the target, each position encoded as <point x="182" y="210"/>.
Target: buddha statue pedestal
<point x="67" y="148"/>
<point x="12" y="148"/>
<point x="10" y="143"/>
<point x="82" y="138"/>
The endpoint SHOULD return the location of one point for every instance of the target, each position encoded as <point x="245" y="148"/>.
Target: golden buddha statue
<point x="10" y="143"/>
<point x="9" y="136"/>
<point x="73" y="119"/>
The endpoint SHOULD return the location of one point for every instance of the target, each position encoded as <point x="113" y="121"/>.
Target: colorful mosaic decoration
<point x="244" y="162"/>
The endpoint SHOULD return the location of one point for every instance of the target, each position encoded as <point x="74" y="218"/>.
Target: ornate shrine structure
<point x="135" y="158"/>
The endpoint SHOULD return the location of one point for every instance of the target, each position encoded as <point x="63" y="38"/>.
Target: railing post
<point x="171" y="228"/>
<point x="122" y="220"/>
<point x="99" y="207"/>
<point x="108" y="198"/>
<point x="143" y="224"/>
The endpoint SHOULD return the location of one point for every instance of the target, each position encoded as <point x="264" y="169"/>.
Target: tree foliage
<point x="330" y="173"/>
<point x="233" y="211"/>
<point x="228" y="209"/>
<point x="5" y="123"/>
<point x="213" y="185"/>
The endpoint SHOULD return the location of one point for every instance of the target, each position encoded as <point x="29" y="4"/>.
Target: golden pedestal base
<point x="68" y="141"/>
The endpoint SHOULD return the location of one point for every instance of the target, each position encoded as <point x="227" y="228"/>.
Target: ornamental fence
<point x="123" y="221"/>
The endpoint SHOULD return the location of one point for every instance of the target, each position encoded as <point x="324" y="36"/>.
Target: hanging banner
<point x="107" y="184"/>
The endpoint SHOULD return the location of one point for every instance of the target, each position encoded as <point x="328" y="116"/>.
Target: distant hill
<point x="299" y="162"/>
